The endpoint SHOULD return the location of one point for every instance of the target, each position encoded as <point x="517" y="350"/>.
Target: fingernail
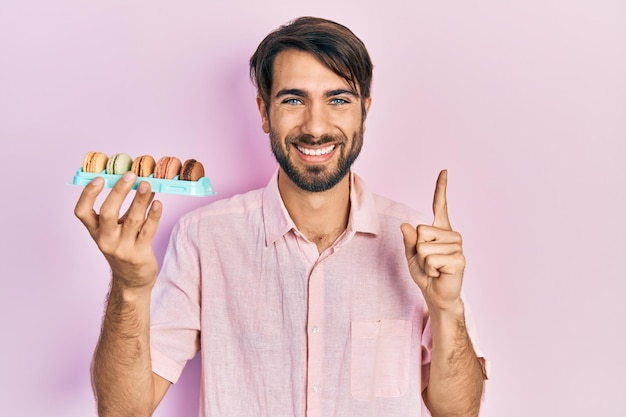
<point x="129" y="176"/>
<point x="142" y="188"/>
<point x="96" y="182"/>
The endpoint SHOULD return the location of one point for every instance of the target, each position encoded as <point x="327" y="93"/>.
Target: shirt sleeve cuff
<point x="165" y="367"/>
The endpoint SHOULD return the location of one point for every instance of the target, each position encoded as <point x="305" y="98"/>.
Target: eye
<point x="292" y="101"/>
<point x="339" y="101"/>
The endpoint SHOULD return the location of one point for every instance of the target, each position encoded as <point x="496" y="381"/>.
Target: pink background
<point x="523" y="102"/>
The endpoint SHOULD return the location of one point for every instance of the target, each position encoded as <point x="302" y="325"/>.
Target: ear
<point x="265" y="121"/>
<point x="366" y="103"/>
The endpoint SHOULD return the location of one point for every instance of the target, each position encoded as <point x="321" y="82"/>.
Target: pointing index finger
<point x="440" y="203"/>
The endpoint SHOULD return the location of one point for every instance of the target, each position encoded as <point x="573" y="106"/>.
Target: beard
<point x="317" y="178"/>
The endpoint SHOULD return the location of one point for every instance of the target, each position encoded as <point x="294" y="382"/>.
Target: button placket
<point x="315" y="339"/>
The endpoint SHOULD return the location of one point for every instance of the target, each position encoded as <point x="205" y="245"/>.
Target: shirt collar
<point x="363" y="213"/>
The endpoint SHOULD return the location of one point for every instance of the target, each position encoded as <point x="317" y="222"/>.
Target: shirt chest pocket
<point x="380" y="358"/>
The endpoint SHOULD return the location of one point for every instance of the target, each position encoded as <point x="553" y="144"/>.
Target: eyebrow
<point x="301" y="93"/>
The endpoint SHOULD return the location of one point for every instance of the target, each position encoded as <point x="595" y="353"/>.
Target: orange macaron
<point x="95" y="162"/>
<point x="143" y="165"/>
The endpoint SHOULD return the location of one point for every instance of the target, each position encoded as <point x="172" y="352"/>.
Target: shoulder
<point x="391" y="209"/>
<point x="229" y="207"/>
<point x="386" y="208"/>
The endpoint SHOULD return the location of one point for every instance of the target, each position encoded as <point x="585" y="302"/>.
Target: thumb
<point x="409" y="235"/>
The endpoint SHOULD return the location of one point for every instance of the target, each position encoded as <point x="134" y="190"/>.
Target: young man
<point x="297" y="295"/>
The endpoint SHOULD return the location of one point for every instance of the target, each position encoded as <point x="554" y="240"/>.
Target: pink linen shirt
<point x="284" y="330"/>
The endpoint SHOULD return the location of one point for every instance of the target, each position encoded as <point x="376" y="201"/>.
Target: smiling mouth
<point x="316" y="152"/>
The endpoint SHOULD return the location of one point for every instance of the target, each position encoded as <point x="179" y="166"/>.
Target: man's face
<point x="315" y="121"/>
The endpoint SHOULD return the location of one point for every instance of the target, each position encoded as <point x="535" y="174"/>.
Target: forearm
<point x="456" y="376"/>
<point x="121" y="370"/>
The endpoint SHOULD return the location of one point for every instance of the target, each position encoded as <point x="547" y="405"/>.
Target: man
<point x="298" y="295"/>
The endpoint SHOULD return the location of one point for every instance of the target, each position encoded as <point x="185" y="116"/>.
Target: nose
<point x="315" y="120"/>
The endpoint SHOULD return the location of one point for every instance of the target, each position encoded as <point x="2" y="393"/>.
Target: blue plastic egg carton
<point x="200" y="188"/>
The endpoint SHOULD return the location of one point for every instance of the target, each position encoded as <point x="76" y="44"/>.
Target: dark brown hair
<point x="332" y="43"/>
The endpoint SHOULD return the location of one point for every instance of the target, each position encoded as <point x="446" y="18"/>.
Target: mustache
<point x="306" y="139"/>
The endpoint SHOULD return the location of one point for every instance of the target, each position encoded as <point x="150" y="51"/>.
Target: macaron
<point x="167" y="167"/>
<point x="119" y="163"/>
<point x="191" y="170"/>
<point x="94" y="162"/>
<point x="143" y="165"/>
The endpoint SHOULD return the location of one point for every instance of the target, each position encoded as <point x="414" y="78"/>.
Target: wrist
<point x="130" y="293"/>
<point x="454" y="310"/>
<point x="447" y="322"/>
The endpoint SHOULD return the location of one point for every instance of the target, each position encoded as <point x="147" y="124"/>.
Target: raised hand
<point x="435" y="254"/>
<point x="125" y="241"/>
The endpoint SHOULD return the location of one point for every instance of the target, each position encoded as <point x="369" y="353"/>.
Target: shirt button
<point x="315" y="388"/>
<point x="315" y="329"/>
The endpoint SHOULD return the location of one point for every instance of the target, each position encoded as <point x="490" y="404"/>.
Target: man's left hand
<point x="435" y="255"/>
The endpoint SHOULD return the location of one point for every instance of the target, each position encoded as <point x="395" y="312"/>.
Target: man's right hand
<point x="122" y="386"/>
<point x="125" y="241"/>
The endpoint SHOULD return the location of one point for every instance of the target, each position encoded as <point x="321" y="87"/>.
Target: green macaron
<point x="119" y="163"/>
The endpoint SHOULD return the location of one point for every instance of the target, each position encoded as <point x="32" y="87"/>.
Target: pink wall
<point x="523" y="102"/>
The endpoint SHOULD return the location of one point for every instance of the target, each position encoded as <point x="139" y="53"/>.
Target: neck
<point x="321" y="216"/>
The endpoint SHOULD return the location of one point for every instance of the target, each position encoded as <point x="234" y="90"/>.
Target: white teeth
<point x="316" y="152"/>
